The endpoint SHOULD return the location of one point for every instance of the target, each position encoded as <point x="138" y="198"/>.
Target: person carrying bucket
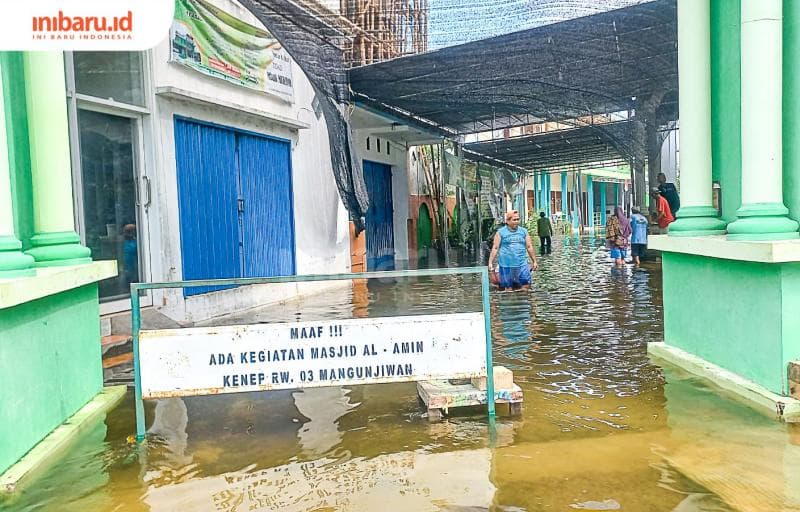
<point x="513" y="246"/>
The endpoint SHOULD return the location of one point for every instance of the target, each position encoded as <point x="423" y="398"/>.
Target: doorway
<point x="379" y="218"/>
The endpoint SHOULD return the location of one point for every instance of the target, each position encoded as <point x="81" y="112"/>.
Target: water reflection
<point x="418" y="480"/>
<point x="323" y="407"/>
<point x="600" y="427"/>
<point x="170" y="420"/>
<point x="512" y="316"/>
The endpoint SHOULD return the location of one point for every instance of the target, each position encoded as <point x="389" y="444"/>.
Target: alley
<point x="600" y="428"/>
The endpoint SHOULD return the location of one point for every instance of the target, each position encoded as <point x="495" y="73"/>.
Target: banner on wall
<point x="215" y="43"/>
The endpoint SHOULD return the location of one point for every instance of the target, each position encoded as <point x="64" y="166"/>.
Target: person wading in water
<point x="513" y="244"/>
<point x="618" y="232"/>
<point x="545" y="230"/>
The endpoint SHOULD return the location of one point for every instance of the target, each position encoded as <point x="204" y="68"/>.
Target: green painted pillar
<point x="589" y="201"/>
<point x="575" y="205"/>
<point x="726" y="103"/>
<point x="762" y="215"/>
<point x="697" y="216"/>
<point x="616" y="195"/>
<point x="564" y="190"/>
<point x="13" y="262"/>
<point x="791" y="107"/>
<point x="55" y="241"/>
<point x="547" y="193"/>
<point x="603" y="205"/>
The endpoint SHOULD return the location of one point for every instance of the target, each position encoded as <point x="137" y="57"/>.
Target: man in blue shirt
<point x="513" y="245"/>
<point x="638" y="235"/>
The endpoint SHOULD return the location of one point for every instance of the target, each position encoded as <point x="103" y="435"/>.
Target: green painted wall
<point x="50" y="365"/>
<point x="791" y="107"/>
<point x="19" y="151"/>
<point x="726" y="109"/>
<point x="741" y="316"/>
<point x="790" y="302"/>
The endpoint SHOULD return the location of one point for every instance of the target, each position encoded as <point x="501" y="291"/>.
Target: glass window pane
<point x="110" y="75"/>
<point x="109" y="196"/>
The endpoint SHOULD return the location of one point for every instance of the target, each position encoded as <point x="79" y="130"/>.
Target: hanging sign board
<point x="211" y="41"/>
<point x="242" y="358"/>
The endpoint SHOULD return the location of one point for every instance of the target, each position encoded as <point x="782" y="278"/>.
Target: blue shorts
<point x="514" y="277"/>
<point x="618" y="254"/>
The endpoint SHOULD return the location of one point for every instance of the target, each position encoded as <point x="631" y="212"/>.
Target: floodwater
<point x="603" y="428"/>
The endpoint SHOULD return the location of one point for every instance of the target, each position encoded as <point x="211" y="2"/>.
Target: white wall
<point x="397" y="158"/>
<point x="669" y="155"/>
<point x="321" y="227"/>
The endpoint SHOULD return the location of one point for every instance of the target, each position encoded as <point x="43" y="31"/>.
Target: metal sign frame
<point x="136" y="318"/>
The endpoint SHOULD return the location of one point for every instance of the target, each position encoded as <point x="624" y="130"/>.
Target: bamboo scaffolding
<point x="388" y="28"/>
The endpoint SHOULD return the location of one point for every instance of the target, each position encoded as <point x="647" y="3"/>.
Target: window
<point x="110" y="75"/>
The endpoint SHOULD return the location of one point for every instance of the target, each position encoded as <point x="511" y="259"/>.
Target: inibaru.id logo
<point x="63" y="26"/>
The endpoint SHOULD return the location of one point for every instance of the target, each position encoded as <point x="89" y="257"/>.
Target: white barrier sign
<point x="241" y="358"/>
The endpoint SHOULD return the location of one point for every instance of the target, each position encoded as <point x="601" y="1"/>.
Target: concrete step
<point x="151" y="318"/>
<point x="117" y="359"/>
<point x="118" y="365"/>
<point x="117" y="343"/>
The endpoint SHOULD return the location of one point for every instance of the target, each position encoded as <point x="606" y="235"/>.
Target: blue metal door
<point x="267" y="213"/>
<point x="207" y="193"/>
<point x="235" y="203"/>
<point x="379" y="219"/>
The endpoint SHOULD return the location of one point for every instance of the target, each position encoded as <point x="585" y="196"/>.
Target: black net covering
<point x="584" y="63"/>
<point x="586" y="71"/>
<point x="317" y="44"/>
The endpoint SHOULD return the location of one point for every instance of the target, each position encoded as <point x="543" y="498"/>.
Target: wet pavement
<point x="603" y="427"/>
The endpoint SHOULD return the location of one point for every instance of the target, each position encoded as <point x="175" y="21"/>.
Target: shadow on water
<point x="600" y="430"/>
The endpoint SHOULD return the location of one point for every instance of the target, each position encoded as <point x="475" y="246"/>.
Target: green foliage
<point x="530" y="224"/>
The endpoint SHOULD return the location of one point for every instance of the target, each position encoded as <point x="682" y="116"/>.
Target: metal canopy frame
<point x="582" y="146"/>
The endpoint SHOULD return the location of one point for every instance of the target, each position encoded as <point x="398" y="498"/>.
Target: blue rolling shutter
<point x="267" y="217"/>
<point x="379" y="218"/>
<point x="207" y="193"/>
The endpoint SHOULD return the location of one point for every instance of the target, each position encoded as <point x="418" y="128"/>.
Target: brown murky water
<point x="603" y="428"/>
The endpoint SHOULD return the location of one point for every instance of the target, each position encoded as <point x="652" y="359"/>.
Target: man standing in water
<point x="545" y="230"/>
<point x="513" y="244"/>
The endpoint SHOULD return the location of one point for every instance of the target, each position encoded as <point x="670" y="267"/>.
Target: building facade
<point x="579" y="198"/>
<point x="732" y="276"/>
<point x="183" y="175"/>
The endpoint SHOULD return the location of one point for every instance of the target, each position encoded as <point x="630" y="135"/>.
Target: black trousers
<point x="546" y="244"/>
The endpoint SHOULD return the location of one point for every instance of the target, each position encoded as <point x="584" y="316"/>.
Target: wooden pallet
<point x="439" y="396"/>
